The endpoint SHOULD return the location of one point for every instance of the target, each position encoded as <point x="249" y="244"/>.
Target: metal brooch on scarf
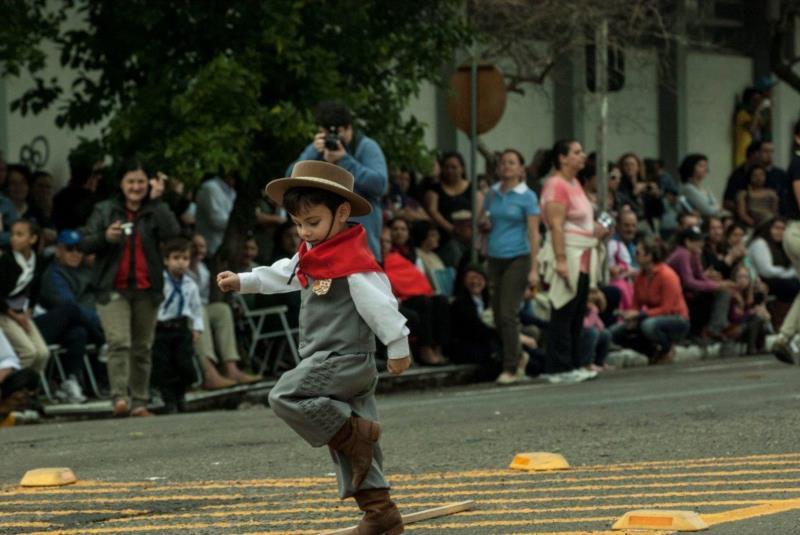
<point x="321" y="286"/>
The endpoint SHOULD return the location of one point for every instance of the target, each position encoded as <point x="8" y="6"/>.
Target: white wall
<point x="22" y="130"/>
<point x="526" y="125"/>
<point x="712" y="83"/>
<point x="632" y="111"/>
<point x="785" y="112"/>
<point x="423" y="107"/>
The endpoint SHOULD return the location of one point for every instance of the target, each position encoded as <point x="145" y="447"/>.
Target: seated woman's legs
<point x="220" y="319"/>
<point x="204" y="347"/>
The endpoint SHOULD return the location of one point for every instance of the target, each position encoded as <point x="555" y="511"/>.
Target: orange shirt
<point x="660" y="294"/>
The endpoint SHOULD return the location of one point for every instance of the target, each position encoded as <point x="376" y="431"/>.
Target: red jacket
<point x="659" y="294"/>
<point x="406" y="280"/>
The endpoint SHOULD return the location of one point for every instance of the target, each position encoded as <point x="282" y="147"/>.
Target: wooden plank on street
<point x="420" y="516"/>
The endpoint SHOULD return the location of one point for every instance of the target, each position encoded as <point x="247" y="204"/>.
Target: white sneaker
<point x="73" y="390"/>
<point x="588" y="374"/>
<point x="507" y="378"/>
<point x="569" y="378"/>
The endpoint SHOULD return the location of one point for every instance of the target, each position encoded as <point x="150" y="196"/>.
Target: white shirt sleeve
<point x="761" y="257"/>
<point x="373" y="298"/>
<point x="272" y="279"/>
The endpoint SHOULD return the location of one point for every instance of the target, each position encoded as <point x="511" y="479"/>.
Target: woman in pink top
<point x="569" y="217"/>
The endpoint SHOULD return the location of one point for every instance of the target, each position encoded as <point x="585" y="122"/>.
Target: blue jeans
<point x="594" y="346"/>
<point x="663" y="331"/>
<point x="651" y="336"/>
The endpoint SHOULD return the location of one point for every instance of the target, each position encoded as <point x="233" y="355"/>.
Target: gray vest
<point x="331" y="322"/>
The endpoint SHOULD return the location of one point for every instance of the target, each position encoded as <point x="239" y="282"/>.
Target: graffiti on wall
<point x="36" y="153"/>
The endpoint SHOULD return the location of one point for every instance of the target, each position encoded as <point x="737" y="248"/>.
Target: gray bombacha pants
<point x="318" y="396"/>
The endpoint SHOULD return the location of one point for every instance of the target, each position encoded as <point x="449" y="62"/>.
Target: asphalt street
<point x="720" y="438"/>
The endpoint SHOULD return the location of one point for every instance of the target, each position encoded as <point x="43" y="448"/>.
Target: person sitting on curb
<point x="659" y="316"/>
<point x="218" y="329"/>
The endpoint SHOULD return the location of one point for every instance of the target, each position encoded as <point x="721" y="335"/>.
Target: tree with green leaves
<point x="193" y="87"/>
<point x="198" y="86"/>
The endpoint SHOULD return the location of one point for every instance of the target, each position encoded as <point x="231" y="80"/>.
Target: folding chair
<point x="254" y="320"/>
<point x="54" y="361"/>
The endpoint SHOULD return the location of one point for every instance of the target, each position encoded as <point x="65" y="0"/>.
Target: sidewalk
<point x="414" y="379"/>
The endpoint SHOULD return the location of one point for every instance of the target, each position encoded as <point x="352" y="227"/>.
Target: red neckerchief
<point x="344" y="254"/>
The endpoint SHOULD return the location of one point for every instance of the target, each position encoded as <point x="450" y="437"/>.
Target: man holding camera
<point x="337" y="142"/>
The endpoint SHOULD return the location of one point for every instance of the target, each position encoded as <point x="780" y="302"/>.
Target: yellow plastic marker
<point x="48" y="477"/>
<point x="539" y="461"/>
<point x="655" y="519"/>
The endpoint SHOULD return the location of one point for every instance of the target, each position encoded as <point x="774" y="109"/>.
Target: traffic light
<point x="615" y="68"/>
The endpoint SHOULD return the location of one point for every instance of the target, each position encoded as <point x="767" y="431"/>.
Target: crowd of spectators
<point x="121" y="280"/>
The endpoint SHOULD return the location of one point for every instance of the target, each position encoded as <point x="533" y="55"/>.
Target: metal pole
<point x="473" y="137"/>
<point x="601" y="77"/>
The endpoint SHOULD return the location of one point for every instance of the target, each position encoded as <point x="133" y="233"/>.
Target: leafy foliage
<point x="196" y="86"/>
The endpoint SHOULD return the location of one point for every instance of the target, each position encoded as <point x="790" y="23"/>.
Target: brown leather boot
<point x="355" y="440"/>
<point x="381" y="515"/>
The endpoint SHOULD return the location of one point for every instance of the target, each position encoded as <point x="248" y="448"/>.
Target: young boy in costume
<point x="329" y="398"/>
<point x="179" y="325"/>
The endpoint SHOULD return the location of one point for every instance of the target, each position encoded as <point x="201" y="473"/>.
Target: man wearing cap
<point x="456" y="252"/>
<point x="71" y="319"/>
<point x="358" y="154"/>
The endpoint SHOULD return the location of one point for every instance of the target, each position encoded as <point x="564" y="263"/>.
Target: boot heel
<point x="397" y="530"/>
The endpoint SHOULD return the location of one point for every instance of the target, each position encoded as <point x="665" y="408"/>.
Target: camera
<point x="606" y="220"/>
<point x="332" y="138"/>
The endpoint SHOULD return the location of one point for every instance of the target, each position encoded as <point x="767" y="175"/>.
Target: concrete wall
<point x="713" y="81"/>
<point x="17" y="131"/>
<point x="632" y="111"/>
<point x="785" y="112"/>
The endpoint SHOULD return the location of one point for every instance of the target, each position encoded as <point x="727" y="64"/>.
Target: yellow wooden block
<point x="539" y="461"/>
<point x="48" y="477"/>
<point x="656" y="519"/>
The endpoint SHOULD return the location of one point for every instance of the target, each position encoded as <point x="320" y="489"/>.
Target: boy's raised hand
<point x="398" y="366"/>
<point x="228" y="281"/>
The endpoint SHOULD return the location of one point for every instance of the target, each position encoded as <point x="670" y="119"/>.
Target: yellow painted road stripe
<point x="133" y="499"/>
<point x="529" y="481"/>
<point x="170" y="528"/>
<point x="98" y="486"/>
<point x="407" y="497"/>
<point x="779" y="506"/>
<point x="259" y="507"/>
<point x="66" y="512"/>
<point x="31" y="524"/>
<point x="678" y="463"/>
<point x="248" y="523"/>
<point x="603" y="497"/>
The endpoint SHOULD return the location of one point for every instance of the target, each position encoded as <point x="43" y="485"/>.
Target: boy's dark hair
<point x="333" y="113"/>
<point x="33" y="228"/>
<point x="296" y="200"/>
<point x="176" y="245"/>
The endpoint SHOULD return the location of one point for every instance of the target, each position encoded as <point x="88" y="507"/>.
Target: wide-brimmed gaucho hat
<point x="322" y="175"/>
